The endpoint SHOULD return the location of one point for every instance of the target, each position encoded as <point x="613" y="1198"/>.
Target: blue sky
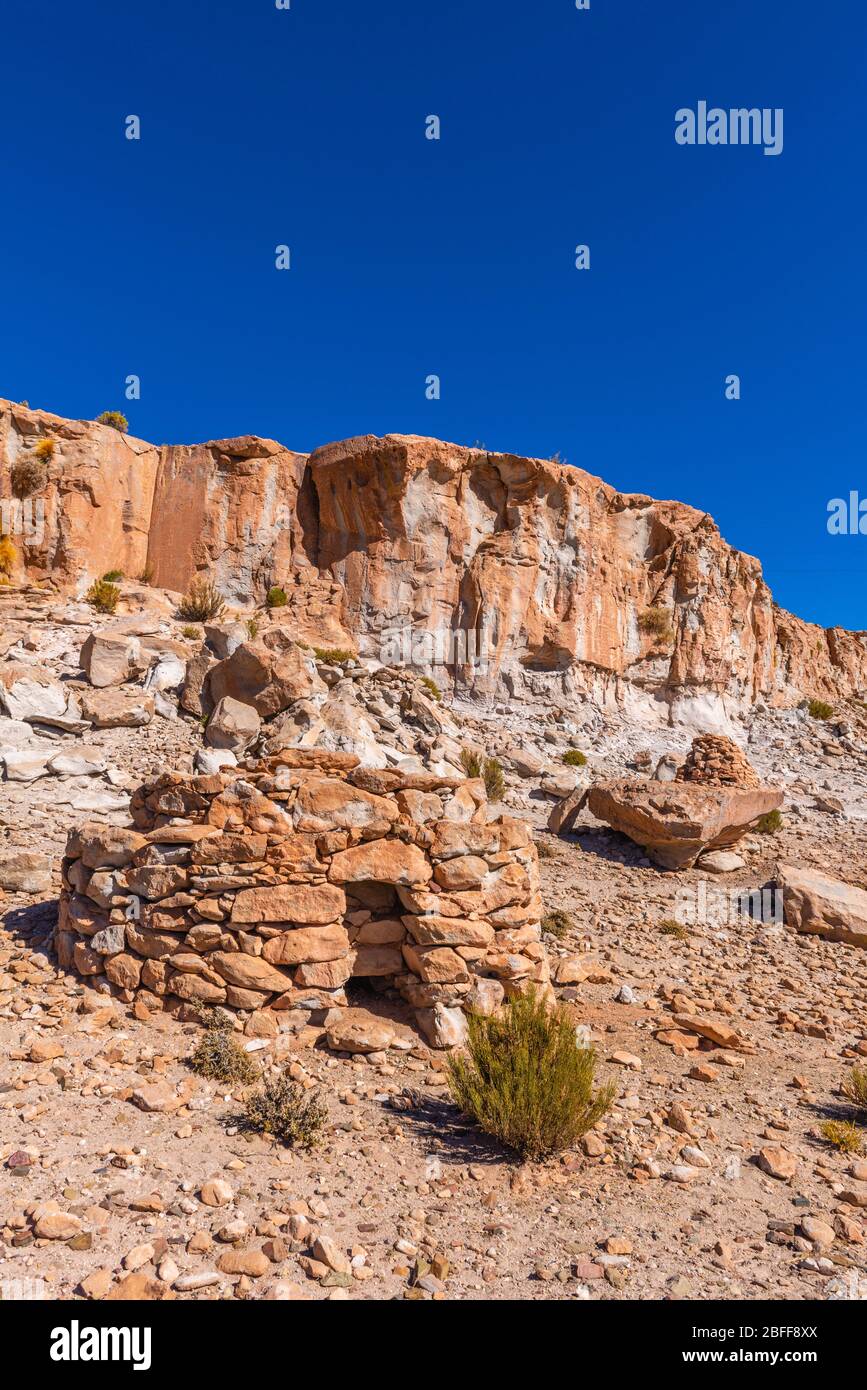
<point x="410" y="257"/>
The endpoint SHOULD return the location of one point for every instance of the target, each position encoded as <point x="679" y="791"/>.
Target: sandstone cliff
<point x="568" y="587"/>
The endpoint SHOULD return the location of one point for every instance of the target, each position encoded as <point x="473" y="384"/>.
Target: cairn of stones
<point x="266" y="891"/>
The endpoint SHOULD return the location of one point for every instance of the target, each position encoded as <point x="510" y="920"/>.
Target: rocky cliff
<point x="560" y="585"/>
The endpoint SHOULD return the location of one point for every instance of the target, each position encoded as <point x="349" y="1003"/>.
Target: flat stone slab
<point x="822" y="906"/>
<point x="675" y="822"/>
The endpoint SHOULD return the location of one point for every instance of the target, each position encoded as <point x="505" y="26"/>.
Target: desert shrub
<point x="218" y="1054"/>
<point x="471" y="762"/>
<point x="489" y="769"/>
<point x="843" y="1135"/>
<point x="27" y="475"/>
<point x="115" y="418"/>
<point x="769" y="823"/>
<point x="575" y="758"/>
<point x="524" y="1078"/>
<point x="192" y="632"/>
<point x="855" y="1087"/>
<point x="44" y="450"/>
<point x="112" y="576"/>
<point x="252" y="628"/>
<point x="333" y="656"/>
<point x="557" y="923"/>
<point x="669" y="927"/>
<point x="202" y="602"/>
<point x="283" y="1108"/>
<point x="656" y="622"/>
<point x="544" y="850"/>
<point x="276" y="597"/>
<point x="146" y="575"/>
<point x="103" y="596"/>
<point x="431" y="687"/>
<point x="820" y="709"/>
<point x="495" y="782"/>
<point x="8" y="557"/>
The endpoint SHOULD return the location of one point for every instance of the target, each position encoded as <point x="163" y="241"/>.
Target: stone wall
<point x="269" y="890"/>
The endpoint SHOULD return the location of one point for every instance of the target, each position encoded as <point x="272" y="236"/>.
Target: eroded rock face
<point x="676" y="821"/>
<point x="567" y="586"/>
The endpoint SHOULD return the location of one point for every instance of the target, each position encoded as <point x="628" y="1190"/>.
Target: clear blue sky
<point x="412" y="257"/>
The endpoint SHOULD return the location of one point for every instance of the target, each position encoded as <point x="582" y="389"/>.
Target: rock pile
<point x="268" y="892"/>
<point x="716" y="761"/>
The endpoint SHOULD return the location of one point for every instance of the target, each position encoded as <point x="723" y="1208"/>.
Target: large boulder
<point x="35" y="695"/>
<point x="112" y="658"/>
<point x="270" y="674"/>
<point x="233" y="725"/>
<point x="819" y="905"/>
<point x="675" y="821"/>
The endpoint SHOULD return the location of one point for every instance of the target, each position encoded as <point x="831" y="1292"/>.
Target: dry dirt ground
<point x="666" y="1199"/>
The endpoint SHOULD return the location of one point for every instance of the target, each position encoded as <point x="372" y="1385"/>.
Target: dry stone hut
<point x="268" y="891"/>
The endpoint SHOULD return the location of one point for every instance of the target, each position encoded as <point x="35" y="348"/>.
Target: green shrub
<point x="284" y="1109"/>
<point x="471" y="762"/>
<point x="333" y="656"/>
<point x="26" y="475"/>
<point x="219" y="1056"/>
<point x="656" y="622"/>
<point x="44" y="450"/>
<point x="820" y="709"/>
<point x="112" y="576"/>
<point x="103" y="596"/>
<point x="276" y="597"/>
<point x="191" y="632"/>
<point x="252" y="628"/>
<point x="202" y="602"/>
<point x="495" y="782"/>
<point x="524" y="1079"/>
<point x="855" y="1086"/>
<point x="115" y="419"/>
<point x="669" y="927"/>
<point x="843" y="1135"/>
<point x="575" y="758"/>
<point x="769" y="823"/>
<point x="432" y="688"/>
<point x="557" y="923"/>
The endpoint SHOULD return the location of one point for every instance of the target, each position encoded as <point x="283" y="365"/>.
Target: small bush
<point x="432" y="688"/>
<point x="855" y="1087"/>
<point x="656" y="622"/>
<point x="524" y="1079"/>
<point x="112" y="576"/>
<point x="27" y="475"/>
<point x="103" y="596"/>
<point x="202" y="602"/>
<point x="769" y="823"/>
<point x="283" y="1108"/>
<point x="276" y="597"/>
<point x="557" y="923"/>
<point x="44" y="450"/>
<point x="471" y="762"/>
<point x="575" y="758"/>
<point x="193" y="633"/>
<point x="252" y="628"/>
<point x="495" y="782"/>
<point x="843" y="1135"/>
<point x="333" y="656"/>
<point x="8" y="557"/>
<point x="115" y="418"/>
<point x="220" y="1056"/>
<point x="669" y="927"/>
<point x="820" y="709"/>
<point x="146" y="575"/>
